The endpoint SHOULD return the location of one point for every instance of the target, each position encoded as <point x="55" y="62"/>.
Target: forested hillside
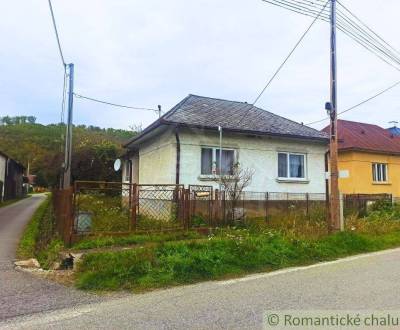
<point x="94" y="149"/>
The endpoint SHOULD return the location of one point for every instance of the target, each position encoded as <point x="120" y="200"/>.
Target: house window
<point x="210" y="161"/>
<point x="127" y="174"/>
<point x="379" y="172"/>
<point x="291" y="165"/>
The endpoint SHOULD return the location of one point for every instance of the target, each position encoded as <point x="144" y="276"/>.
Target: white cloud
<point x="144" y="53"/>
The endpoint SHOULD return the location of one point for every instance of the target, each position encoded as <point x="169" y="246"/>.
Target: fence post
<point x="187" y="208"/>
<point x="307" y="205"/>
<point x="287" y="203"/>
<point x="341" y="212"/>
<point x="215" y="205"/>
<point x="266" y="206"/>
<point x="133" y="207"/>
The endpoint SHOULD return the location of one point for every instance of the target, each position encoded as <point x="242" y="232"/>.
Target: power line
<point x="347" y="25"/>
<point x="56" y="33"/>
<point x="289" y="55"/>
<point x="360" y="103"/>
<point x="366" y="26"/>
<point x="114" y="104"/>
<point x="64" y="95"/>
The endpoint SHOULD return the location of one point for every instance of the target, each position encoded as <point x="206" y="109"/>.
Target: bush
<point x="383" y="217"/>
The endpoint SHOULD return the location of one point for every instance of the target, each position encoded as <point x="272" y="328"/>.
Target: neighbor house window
<point x="379" y="172"/>
<point x="291" y="165"/>
<point x="210" y="161"/>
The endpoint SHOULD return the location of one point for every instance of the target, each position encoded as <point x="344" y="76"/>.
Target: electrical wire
<point x="114" y="104"/>
<point x="359" y="104"/>
<point x="56" y="33"/>
<point x="367" y="27"/>
<point x="290" y="54"/>
<point x="64" y="95"/>
<point x="282" y="64"/>
<point x="347" y="25"/>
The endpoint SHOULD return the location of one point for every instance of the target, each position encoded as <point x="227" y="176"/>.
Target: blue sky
<point x="145" y="53"/>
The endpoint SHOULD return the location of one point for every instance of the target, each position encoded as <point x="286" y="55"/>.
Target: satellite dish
<point x="117" y="164"/>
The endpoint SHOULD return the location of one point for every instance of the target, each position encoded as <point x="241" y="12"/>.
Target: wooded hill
<point x="94" y="149"/>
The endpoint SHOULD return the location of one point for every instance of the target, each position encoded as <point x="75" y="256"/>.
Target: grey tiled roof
<point x="206" y="112"/>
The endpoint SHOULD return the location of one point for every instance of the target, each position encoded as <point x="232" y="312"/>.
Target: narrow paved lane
<point x="369" y="282"/>
<point x="20" y="293"/>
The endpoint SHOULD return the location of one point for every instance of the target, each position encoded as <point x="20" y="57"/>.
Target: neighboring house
<point x="369" y="159"/>
<point x="11" y="178"/>
<point x="394" y="130"/>
<point x="182" y="147"/>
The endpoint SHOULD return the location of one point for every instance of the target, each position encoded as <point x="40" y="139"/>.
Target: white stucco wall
<point x="155" y="162"/>
<point x="3" y="164"/>
<point x="258" y="153"/>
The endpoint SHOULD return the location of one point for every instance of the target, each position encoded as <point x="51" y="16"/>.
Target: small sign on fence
<point x="202" y="193"/>
<point x="83" y="222"/>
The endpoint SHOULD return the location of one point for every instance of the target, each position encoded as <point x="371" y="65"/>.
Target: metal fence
<point x="272" y="206"/>
<point x="357" y="204"/>
<point x="119" y="208"/>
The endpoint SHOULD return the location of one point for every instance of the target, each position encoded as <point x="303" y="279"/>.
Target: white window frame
<point x="214" y="165"/>
<point x="289" y="178"/>
<point x="127" y="171"/>
<point x="377" y="170"/>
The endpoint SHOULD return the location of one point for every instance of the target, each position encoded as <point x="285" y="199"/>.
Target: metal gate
<point x="200" y="213"/>
<point x="159" y="207"/>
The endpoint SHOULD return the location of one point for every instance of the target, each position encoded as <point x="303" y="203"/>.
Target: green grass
<point x="38" y="239"/>
<point x="12" y="201"/>
<point x="111" y="241"/>
<point x="27" y="244"/>
<point x="221" y="256"/>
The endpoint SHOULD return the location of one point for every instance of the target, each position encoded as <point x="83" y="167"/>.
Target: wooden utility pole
<point x="333" y="146"/>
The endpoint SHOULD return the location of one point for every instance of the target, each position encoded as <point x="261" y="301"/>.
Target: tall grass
<point x="219" y="257"/>
<point x="39" y="239"/>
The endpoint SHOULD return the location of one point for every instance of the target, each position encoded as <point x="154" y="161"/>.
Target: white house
<point x="182" y="147"/>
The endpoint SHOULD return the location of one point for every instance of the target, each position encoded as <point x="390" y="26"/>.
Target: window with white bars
<point x="210" y="161"/>
<point x="291" y="165"/>
<point x="379" y="172"/>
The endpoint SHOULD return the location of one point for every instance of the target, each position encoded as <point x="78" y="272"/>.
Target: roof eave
<point x="242" y="131"/>
<point x="252" y="132"/>
<point x="386" y="152"/>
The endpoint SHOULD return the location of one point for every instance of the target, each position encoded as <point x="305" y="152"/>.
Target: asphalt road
<point x="21" y="293"/>
<point x="368" y="282"/>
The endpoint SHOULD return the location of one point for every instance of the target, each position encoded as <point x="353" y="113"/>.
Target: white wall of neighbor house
<point x="3" y="165"/>
<point x="258" y="153"/>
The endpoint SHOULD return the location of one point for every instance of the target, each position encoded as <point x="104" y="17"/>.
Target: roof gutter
<point x="382" y="152"/>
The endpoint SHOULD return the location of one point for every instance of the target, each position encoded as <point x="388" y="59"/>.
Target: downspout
<point x="130" y="170"/>
<point x="178" y="156"/>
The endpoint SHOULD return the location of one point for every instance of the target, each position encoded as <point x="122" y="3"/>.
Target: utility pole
<point x="68" y="135"/>
<point x="159" y="111"/>
<point x="333" y="146"/>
